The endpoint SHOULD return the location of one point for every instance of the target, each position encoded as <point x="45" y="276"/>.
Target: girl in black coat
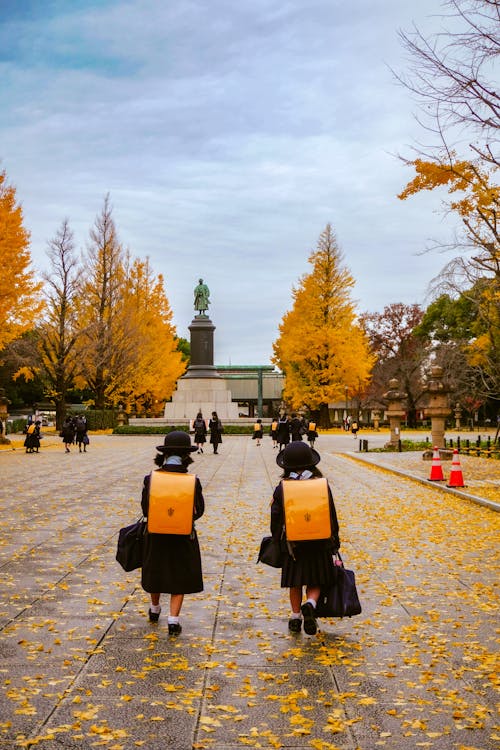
<point x="283" y="432"/>
<point x="200" y="431"/>
<point x="258" y="431"/>
<point x="215" y="427"/>
<point x="307" y="563"/>
<point x="172" y="563"/>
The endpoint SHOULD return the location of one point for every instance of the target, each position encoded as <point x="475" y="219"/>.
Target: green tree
<point x="321" y="348"/>
<point x="466" y="344"/>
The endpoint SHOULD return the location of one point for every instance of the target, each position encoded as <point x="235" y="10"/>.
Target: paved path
<point x="81" y="667"/>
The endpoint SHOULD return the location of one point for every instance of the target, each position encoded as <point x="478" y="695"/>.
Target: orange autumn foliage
<point x="19" y="304"/>
<point x="321" y="348"/>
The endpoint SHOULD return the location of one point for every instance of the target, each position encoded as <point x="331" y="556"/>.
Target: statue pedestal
<point x="201" y="388"/>
<point x="201" y="394"/>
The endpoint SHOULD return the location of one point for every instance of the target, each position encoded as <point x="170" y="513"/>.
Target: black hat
<point x="177" y="440"/>
<point x="298" y="455"/>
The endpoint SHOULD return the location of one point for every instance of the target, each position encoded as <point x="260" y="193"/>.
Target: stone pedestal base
<point x="201" y="394"/>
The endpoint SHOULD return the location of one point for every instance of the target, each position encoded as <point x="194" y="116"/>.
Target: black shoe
<point x="174" y="628"/>
<point x="294" y="624"/>
<point x="153" y="616"/>
<point x="310" y="624"/>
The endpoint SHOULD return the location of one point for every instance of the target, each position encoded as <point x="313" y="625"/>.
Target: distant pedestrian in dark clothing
<point x="274" y="432"/>
<point x="68" y="433"/>
<point x="32" y="440"/>
<point x="258" y="431"/>
<point x="81" y="436"/>
<point x="312" y="433"/>
<point x="215" y="427"/>
<point x="283" y="434"/>
<point x="354" y="428"/>
<point x="296" y="427"/>
<point x="172" y="562"/>
<point x="200" y="432"/>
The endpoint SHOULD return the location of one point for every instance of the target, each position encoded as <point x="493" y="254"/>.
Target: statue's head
<point x="200" y="281"/>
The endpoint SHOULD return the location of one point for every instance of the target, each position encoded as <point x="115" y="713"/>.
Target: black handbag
<point x="272" y="552"/>
<point x="341" y="599"/>
<point x="129" y="547"/>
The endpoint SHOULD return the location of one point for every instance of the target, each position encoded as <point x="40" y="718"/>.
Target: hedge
<point x="230" y="429"/>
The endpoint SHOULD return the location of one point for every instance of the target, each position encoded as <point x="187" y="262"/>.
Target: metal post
<point x="259" y="392"/>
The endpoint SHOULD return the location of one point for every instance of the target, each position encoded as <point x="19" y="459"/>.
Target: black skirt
<point x="313" y="565"/>
<point x="171" y="564"/>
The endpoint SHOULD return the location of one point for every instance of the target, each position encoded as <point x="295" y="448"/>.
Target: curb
<point x="464" y="495"/>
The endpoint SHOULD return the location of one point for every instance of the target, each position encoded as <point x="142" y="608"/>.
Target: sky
<point x="227" y="135"/>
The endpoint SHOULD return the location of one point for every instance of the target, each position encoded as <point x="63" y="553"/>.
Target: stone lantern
<point x="458" y="415"/>
<point x="437" y="407"/>
<point x="4" y="402"/>
<point x="394" y="411"/>
<point x="121" y="417"/>
<point x="376" y="419"/>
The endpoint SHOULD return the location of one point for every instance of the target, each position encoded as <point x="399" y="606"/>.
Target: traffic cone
<point x="456" y="478"/>
<point x="436" y="468"/>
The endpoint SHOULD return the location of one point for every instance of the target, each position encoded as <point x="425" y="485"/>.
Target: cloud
<point x="228" y="135"/>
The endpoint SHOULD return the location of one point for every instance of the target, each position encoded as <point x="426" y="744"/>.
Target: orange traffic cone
<point x="436" y="468"/>
<point x="456" y="478"/>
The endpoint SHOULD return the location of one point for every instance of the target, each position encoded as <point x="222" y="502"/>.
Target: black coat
<point x="296" y="426"/>
<point x="172" y="563"/>
<point x="215" y="427"/>
<point x="283" y="432"/>
<point x="200" y="431"/>
<point x="312" y="563"/>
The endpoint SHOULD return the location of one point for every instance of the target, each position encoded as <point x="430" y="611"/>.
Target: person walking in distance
<point x="200" y="432"/>
<point x="283" y="432"/>
<point x="215" y="427"/>
<point x="273" y="431"/>
<point x="68" y="433"/>
<point x="171" y="562"/>
<point x="257" y="431"/>
<point x="296" y="427"/>
<point x="307" y="563"/>
<point x="312" y="433"/>
<point x="81" y="437"/>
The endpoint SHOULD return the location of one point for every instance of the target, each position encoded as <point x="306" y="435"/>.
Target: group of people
<point x="33" y="436"/>
<point x="172" y="562"/>
<point x="292" y="429"/>
<point x="202" y="428"/>
<point x="75" y="431"/>
<point x="350" y="425"/>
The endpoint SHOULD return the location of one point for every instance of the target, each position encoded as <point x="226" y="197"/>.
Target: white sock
<point x="311" y="602"/>
<point x="156" y="609"/>
<point x="172" y="620"/>
<point x="296" y="616"/>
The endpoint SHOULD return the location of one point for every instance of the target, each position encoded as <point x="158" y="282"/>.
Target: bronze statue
<point x="201" y="297"/>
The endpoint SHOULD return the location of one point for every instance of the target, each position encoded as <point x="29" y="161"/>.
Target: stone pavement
<point x="81" y="666"/>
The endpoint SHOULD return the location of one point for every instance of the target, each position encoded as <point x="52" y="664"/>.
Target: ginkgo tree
<point x="126" y="346"/>
<point x="321" y="348"/>
<point x="103" y="346"/>
<point x="157" y="361"/>
<point x="19" y="301"/>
